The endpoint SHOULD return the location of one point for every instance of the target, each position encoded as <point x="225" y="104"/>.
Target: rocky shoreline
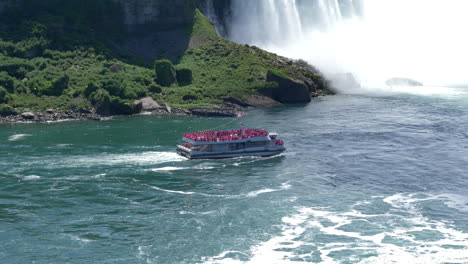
<point x="69" y="115"/>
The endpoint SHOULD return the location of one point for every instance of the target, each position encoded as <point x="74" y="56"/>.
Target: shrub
<point x="6" y="110"/>
<point x="56" y="87"/>
<point x="90" y="88"/>
<point x="7" y="82"/>
<point x="12" y="65"/>
<point x="113" y="86"/>
<point x="165" y="72"/>
<point x="128" y="92"/>
<point x="20" y="88"/>
<point x="184" y="76"/>
<point x="189" y="97"/>
<point x="154" y="88"/>
<point x="100" y="98"/>
<point x="3" y="94"/>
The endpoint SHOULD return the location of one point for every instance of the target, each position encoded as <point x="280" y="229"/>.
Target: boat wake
<point x="89" y="161"/>
<point x="402" y="233"/>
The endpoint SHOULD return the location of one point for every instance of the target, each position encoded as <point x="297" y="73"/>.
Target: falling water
<point x="209" y="10"/>
<point x="373" y="39"/>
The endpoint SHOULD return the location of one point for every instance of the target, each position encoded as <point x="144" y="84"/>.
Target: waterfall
<point x="208" y="9"/>
<point x="276" y="21"/>
<point x="373" y="39"/>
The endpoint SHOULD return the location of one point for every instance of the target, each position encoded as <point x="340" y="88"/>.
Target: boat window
<point x="256" y="144"/>
<point x="204" y="148"/>
<point x="236" y="146"/>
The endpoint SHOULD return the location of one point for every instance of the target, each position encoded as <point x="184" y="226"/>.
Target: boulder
<point x="287" y="89"/>
<point x="236" y="101"/>
<point x="402" y="82"/>
<point x="124" y="107"/>
<point x="259" y="101"/>
<point x="148" y="104"/>
<point x="168" y="108"/>
<point x="28" y="115"/>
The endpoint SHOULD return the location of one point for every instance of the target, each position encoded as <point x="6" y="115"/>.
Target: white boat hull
<point x="224" y="155"/>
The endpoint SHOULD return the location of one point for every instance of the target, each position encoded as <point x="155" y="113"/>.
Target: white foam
<point x="150" y="157"/>
<point x="251" y="194"/>
<point x="168" y="169"/>
<point x="18" y="137"/>
<point x="31" y="177"/>
<point x="284" y="186"/>
<point x="172" y="191"/>
<point x="80" y="239"/>
<point x="171" y="168"/>
<point x="143" y="158"/>
<point x="455" y="201"/>
<point x="404" y="219"/>
<point x="63" y="145"/>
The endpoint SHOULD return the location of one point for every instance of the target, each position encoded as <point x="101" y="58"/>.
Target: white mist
<point x="375" y="40"/>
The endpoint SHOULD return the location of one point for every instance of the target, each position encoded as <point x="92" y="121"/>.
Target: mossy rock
<point x="124" y="107"/>
<point x="287" y="90"/>
<point x="165" y="72"/>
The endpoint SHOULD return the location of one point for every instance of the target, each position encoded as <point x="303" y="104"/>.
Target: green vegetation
<point x="165" y="72"/>
<point x="6" y="110"/>
<point x="3" y="94"/>
<point x="184" y="76"/>
<point x="60" y="58"/>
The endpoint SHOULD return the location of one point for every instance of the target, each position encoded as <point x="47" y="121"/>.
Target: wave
<point x="284" y="186"/>
<point x="18" y="137"/>
<point x="251" y="194"/>
<point x="401" y="234"/>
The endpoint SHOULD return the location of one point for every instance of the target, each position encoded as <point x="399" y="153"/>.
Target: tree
<point x="165" y="72"/>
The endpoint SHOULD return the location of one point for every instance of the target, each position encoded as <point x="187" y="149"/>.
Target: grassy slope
<point x="220" y="68"/>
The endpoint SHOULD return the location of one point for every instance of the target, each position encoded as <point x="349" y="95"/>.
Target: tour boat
<point x="230" y="144"/>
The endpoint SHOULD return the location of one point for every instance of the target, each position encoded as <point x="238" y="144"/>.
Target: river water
<point x="366" y="179"/>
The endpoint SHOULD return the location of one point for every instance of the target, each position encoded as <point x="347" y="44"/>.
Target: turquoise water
<point x="365" y="179"/>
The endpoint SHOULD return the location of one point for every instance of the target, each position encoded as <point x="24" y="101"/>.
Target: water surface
<point x="365" y="179"/>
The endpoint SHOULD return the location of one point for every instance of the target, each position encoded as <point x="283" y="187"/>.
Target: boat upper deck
<point x="226" y="136"/>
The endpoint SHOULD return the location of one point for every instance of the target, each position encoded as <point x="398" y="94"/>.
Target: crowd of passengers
<point x="216" y="136"/>
<point x="278" y="142"/>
